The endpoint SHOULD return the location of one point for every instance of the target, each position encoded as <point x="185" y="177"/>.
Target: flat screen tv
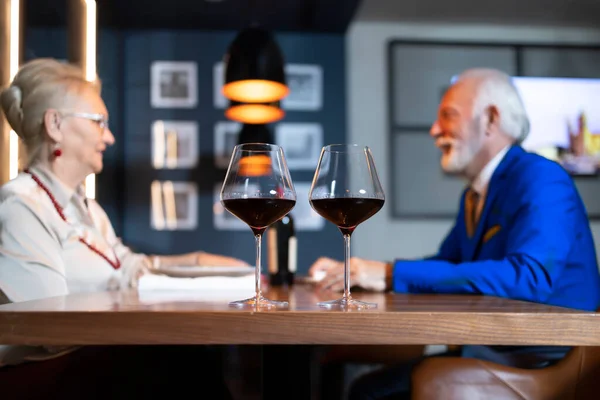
<point x="564" y="114"/>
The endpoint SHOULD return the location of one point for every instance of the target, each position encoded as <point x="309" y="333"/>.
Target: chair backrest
<point x="588" y="379"/>
<point x="575" y="377"/>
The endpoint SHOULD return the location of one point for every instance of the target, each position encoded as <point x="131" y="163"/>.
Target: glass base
<point x="257" y="302"/>
<point x="347" y="303"/>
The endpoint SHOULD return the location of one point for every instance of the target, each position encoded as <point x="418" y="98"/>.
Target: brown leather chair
<point x="575" y="377"/>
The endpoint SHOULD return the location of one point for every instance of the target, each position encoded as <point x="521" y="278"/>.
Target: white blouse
<point x="41" y="255"/>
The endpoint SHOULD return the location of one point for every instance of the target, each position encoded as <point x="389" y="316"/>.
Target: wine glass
<point x="346" y="191"/>
<point x="258" y="190"/>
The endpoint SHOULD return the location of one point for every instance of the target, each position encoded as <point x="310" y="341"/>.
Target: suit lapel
<point x="496" y="187"/>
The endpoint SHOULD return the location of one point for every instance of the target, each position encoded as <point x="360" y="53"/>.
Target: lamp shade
<point x="254" y="68"/>
<point x="254" y="113"/>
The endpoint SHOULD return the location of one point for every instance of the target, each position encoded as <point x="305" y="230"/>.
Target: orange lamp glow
<point x="254" y="113"/>
<point x="254" y="68"/>
<point x="259" y="165"/>
<point x="255" y="91"/>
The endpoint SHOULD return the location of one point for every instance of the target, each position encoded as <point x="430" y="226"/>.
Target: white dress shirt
<point x="482" y="181"/>
<point x="41" y="254"/>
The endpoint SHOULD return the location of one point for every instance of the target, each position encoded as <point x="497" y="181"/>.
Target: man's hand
<point x="369" y="275"/>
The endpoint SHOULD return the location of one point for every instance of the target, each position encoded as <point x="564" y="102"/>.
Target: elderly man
<point x="521" y="232"/>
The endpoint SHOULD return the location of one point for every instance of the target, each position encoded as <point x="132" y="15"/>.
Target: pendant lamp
<point x="254" y="113"/>
<point x="254" y="68"/>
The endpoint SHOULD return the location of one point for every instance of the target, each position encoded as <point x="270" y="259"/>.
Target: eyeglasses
<point x="100" y="119"/>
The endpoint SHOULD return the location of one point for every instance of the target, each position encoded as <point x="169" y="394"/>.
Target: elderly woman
<point x="54" y="240"/>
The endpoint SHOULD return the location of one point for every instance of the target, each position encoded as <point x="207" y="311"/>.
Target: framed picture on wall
<point x="173" y="84"/>
<point x="174" y="144"/>
<point x="219" y="101"/>
<point x="223" y="220"/>
<point x="174" y="205"/>
<point x="301" y="143"/>
<point x="305" y="218"/>
<point x="306" y="87"/>
<point x="226" y="137"/>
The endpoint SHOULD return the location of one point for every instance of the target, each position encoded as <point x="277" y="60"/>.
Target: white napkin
<point x="152" y="282"/>
<point x="155" y="289"/>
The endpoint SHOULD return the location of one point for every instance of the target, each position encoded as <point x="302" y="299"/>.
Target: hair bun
<point x="17" y="95"/>
<point x="12" y="103"/>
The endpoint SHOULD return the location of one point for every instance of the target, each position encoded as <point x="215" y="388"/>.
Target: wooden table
<point x="184" y="318"/>
<point x="161" y="318"/>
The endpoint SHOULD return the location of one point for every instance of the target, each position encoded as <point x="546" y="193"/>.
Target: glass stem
<point x="258" y="239"/>
<point x="347" y="266"/>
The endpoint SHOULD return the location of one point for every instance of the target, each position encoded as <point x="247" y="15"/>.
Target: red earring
<point x="57" y="152"/>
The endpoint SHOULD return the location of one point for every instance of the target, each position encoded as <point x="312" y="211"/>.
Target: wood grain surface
<point x="186" y="317"/>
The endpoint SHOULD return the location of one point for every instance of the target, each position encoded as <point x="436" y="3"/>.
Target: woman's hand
<point x="208" y="259"/>
<point x="195" y="259"/>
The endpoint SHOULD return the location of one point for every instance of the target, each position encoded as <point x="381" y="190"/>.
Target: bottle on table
<point x="282" y="251"/>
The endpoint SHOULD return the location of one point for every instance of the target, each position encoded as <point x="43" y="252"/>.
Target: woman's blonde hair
<point x="39" y="85"/>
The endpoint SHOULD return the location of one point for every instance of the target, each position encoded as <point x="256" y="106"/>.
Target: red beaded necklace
<point x="115" y="264"/>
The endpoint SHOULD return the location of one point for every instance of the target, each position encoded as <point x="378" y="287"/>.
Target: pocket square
<point x="491" y="232"/>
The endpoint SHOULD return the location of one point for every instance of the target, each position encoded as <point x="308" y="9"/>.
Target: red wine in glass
<point x="347" y="212"/>
<point x="258" y="190"/>
<point x="259" y="213"/>
<point x="346" y="191"/>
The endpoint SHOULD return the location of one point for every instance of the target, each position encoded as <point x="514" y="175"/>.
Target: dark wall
<point x="124" y="186"/>
<point x="141" y="48"/>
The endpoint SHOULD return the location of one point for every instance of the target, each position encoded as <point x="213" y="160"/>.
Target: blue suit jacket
<point x="533" y="242"/>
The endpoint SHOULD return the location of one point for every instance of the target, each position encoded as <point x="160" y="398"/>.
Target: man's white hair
<point x="495" y="88"/>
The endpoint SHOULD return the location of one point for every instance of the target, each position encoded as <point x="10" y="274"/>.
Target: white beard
<point x="460" y="155"/>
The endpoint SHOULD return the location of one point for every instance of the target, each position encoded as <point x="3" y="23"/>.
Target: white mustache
<point x="442" y="142"/>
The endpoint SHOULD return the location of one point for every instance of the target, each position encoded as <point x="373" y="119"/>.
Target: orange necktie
<point x="471" y="203"/>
